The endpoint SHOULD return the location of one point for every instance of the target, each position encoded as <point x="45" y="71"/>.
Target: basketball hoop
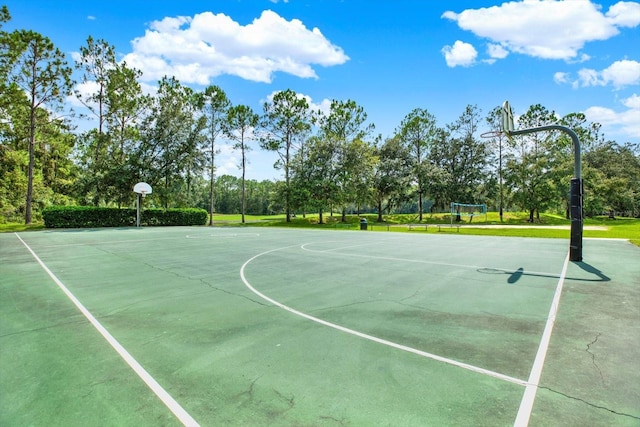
<point x="142" y="189"/>
<point x="492" y="134"/>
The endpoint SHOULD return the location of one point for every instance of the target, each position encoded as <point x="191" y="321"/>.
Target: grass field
<point x="619" y="228"/>
<point x="599" y="227"/>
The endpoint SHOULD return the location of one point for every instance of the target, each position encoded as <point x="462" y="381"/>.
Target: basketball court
<point x="283" y="327"/>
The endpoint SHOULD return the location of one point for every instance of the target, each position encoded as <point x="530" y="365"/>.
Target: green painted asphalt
<point x="178" y="299"/>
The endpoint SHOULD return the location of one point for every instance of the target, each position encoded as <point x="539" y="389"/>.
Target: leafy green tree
<point x="214" y="104"/>
<point x="109" y="91"/>
<point x="392" y="175"/>
<point x="259" y="197"/>
<point x="240" y="125"/>
<point x="418" y="131"/>
<point x="464" y="157"/>
<point x="612" y="179"/>
<point x="14" y="154"/>
<point x="229" y="194"/>
<point x="126" y="105"/>
<point x="169" y="136"/>
<point x="285" y="123"/>
<point x="317" y="175"/>
<point x="527" y="171"/>
<point x="345" y="130"/>
<point x="34" y="65"/>
<point x="563" y="154"/>
<point x="96" y="59"/>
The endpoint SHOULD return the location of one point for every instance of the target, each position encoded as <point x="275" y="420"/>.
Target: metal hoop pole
<point x="576" y="190"/>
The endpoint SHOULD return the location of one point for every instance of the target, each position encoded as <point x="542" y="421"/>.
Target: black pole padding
<point x="575" y="245"/>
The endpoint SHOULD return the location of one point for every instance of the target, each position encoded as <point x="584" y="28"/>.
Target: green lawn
<point x="619" y="228"/>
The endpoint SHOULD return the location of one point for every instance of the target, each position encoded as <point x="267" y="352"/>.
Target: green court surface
<point x="283" y="327"/>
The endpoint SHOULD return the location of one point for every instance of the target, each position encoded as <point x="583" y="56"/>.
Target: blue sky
<point x="390" y="56"/>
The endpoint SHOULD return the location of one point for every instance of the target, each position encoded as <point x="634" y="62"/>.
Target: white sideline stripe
<point x="169" y="401"/>
<point x="370" y="337"/>
<point x="526" y="405"/>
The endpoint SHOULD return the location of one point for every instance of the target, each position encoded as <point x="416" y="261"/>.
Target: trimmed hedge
<point x="91" y="217"/>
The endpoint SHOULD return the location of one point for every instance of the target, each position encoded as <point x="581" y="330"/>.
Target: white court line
<point x="419" y="261"/>
<point x="370" y="337"/>
<point x="526" y="405"/>
<point x="169" y="401"/>
<point x="223" y="236"/>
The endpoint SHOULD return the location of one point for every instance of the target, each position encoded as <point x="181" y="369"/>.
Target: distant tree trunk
<point x="320" y="216"/>
<point x="32" y="143"/>
<point x="211" y="200"/>
<point x="379" y="210"/>
<point x="244" y="191"/>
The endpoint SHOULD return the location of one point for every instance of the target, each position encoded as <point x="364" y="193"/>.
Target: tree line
<point x="330" y="161"/>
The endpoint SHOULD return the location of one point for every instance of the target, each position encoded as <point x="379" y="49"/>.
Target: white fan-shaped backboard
<point x="507" y="118"/>
<point x="142" y="188"/>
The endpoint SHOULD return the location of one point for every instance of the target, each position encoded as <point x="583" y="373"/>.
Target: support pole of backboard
<point x="576" y="190"/>
<point x="140" y="189"/>
<point x="138" y="195"/>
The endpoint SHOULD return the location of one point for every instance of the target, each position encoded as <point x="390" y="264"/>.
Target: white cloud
<point x="626" y="122"/>
<point x="196" y="49"/>
<point x="619" y="74"/>
<point x="622" y="73"/>
<point x="633" y="102"/>
<point x="624" y="14"/>
<point x="547" y="29"/>
<point x="461" y="53"/>
<point x="497" y="51"/>
<point x="561" y="77"/>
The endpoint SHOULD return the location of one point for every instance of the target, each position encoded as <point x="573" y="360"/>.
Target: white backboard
<point x="507" y="118"/>
<point x="142" y="188"/>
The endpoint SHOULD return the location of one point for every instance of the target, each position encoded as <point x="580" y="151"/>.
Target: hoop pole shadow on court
<point x="516" y="275"/>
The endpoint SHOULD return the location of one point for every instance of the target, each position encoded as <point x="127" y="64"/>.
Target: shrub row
<point x="89" y="217"/>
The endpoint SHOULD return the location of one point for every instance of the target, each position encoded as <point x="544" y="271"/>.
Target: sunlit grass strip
<point x="12" y="227"/>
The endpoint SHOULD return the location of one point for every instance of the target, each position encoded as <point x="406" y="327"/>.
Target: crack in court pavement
<point x="593" y="405"/>
<point x="249" y="392"/>
<point x="289" y="401"/>
<point x="232" y="293"/>
<point x="342" y="422"/>
<point x="593" y="356"/>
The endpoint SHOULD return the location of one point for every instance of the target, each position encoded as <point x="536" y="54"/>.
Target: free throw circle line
<point x="367" y="336"/>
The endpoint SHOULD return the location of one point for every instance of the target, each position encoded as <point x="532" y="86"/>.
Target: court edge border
<point x="181" y="414"/>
